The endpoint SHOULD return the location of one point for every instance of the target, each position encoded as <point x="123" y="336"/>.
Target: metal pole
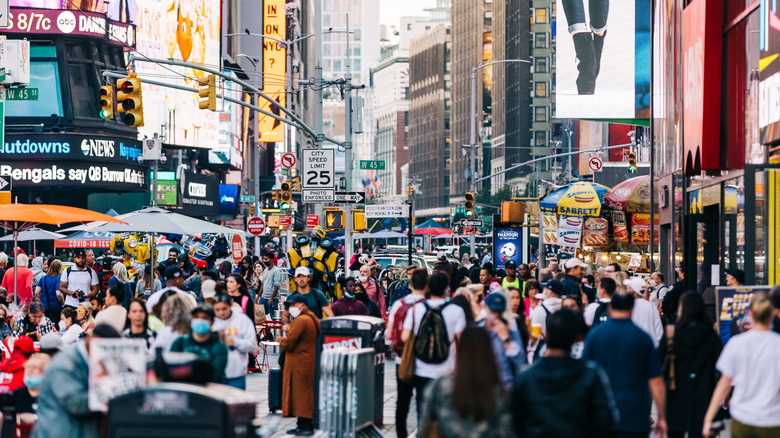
<point x="472" y="150"/>
<point x="410" y="231"/>
<point x="318" y="86"/>
<point x="256" y="165"/>
<point x="348" y="150"/>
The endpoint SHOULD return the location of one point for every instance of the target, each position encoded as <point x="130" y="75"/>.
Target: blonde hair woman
<point x="619" y="278"/>
<point x="176" y="315"/>
<point x="84" y="316"/>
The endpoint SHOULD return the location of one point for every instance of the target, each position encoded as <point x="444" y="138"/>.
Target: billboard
<point x="508" y="246"/>
<point x="603" y="61"/>
<point x="274" y="70"/>
<point x="186" y="30"/>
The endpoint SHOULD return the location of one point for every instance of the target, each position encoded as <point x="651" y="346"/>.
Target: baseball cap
<point x="636" y="284"/>
<point x="575" y="262"/>
<point x="555" y="286"/>
<point x="80" y="253"/>
<point x="496" y="302"/>
<point x="25" y="345"/>
<point x="205" y="309"/>
<point x="201" y="264"/>
<point x="441" y="255"/>
<point x="51" y="341"/>
<point x="294" y="299"/>
<point x="173" y="272"/>
<point x="510" y="264"/>
<point x="738" y="275"/>
<point x="207" y="289"/>
<point x="302" y="270"/>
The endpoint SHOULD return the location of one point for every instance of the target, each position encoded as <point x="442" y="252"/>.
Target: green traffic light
<point x="632" y="169"/>
<point x="469" y="213"/>
<point x="284" y="206"/>
<point x="103" y="114"/>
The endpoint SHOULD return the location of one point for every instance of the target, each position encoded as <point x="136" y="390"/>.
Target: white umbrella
<point x="384" y="234"/>
<point x="33" y="234"/>
<point x="156" y="220"/>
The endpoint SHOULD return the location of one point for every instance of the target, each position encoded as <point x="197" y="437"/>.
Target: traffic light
<point x="296" y="183"/>
<point x="358" y="220"/>
<point x="285" y="196"/>
<point x="275" y="195"/>
<point x="410" y="191"/>
<point x="252" y="209"/>
<point x="107" y="102"/>
<point x="129" y="101"/>
<point x="632" y="163"/>
<point x="470" y="205"/>
<point x="208" y="89"/>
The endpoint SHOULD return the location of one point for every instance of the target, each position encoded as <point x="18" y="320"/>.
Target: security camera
<point x="163" y="158"/>
<point x="140" y="160"/>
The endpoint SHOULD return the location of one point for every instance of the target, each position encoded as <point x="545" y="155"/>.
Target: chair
<point x="268" y="327"/>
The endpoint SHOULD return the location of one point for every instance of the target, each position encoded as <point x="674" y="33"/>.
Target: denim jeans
<point x="269" y="307"/>
<point x="575" y="15"/>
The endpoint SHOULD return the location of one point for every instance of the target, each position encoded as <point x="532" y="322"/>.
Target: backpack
<point x="547" y="318"/>
<point x="601" y="315"/>
<point x="432" y="343"/>
<point x="398" y="326"/>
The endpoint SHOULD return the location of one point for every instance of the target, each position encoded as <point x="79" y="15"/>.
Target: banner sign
<point x="570" y="231"/>
<point x="70" y="22"/>
<point x="769" y="73"/>
<point x="104" y="176"/>
<point x="199" y="194"/>
<point x="508" y="246"/>
<point x="56" y="146"/>
<point x="732" y="305"/>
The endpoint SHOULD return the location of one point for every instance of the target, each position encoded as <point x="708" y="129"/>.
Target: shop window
<point x="488" y="20"/>
<point x="46" y="78"/>
<point x="540" y="15"/>
<point x="82" y="89"/>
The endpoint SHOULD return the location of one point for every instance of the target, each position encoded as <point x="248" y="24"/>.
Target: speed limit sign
<point x="594" y="164"/>
<point x="318" y="168"/>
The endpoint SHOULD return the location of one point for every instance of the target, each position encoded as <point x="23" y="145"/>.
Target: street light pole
<point x="473" y="137"/>
<point x="256" y="159"/>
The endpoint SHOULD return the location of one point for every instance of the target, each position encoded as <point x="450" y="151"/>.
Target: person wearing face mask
<point x="300" y="347"/>
<point x="26" y="397"/>
<point x="204" y="342"/>
<point x="238" y="333"/>
<point x="372" y="288"/>
<point x="271" y="283"/>
<point x="71" y="331"/>
<point x="347" y="304"/>
<point x="656" y="290"/>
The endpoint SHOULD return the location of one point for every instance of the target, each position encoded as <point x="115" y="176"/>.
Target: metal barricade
<point x="346" y="402"/>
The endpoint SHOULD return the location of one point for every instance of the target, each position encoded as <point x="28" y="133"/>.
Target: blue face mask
<point x="200" y="326"/>
<point x="348" y="295"/>
<point x="33" y="382"/>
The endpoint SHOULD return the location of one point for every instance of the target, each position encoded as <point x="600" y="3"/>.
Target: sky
<point x="390" y="11"/>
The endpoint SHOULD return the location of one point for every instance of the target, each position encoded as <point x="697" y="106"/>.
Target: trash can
<point x="354" y="332"/>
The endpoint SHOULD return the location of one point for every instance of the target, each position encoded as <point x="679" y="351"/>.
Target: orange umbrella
<point x="18" y="217"/>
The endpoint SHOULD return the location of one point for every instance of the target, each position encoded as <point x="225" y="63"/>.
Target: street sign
<point x="471" y="223"/>
<point x="247" y="198"/>
<point x="318" y="168"/>
<point x="5" y="183"/>
<point x="255" y="226"/>
<point x="350" y="197"/>
<point x="312" y="220"/>
<point x="288" y="160"/>
<point x="595" y="164"/>
<point x="387" y="210"/>
<point x="2" y="70"/>
<point x="325" y="195"/>
<point x="372" y="165"/>
<point x="285" y="221"/>
<point x="468" y="230"/>
<point x="4" y="10"/>
<point x="20" y="93"/>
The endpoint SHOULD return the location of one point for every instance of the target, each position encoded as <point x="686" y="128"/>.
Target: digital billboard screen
<point x="603" y="59"/>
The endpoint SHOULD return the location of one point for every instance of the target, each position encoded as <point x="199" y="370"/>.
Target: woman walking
<point x="48" y="292"/>
<point x="690" y="349"/>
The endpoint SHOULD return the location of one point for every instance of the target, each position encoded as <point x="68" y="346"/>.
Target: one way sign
<point x="350" y="197"/>
<point x="5" y="183"/>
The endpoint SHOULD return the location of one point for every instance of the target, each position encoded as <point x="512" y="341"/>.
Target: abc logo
<point x="66" y="22"/>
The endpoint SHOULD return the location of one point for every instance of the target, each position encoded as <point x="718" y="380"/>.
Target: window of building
<point x="540" y="65"/>
<point x="488" y="21"/>
<point x="44" y="76"/>
<point x="540" y="15"/>
<point x="554" y="11"/>
<point x="540" y="89"/>
<point x="447" y="85"/>
<point x="540" y="40"/>
<point x="540" y="138"/>
<point x="540" y="114"/>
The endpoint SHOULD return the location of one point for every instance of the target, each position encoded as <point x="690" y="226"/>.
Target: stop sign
<point x="255" y="226"/>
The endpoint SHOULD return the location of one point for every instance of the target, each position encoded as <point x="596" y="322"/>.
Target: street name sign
<point x="318" y="168"/>
<point x="255" y="226"/>
<point x="318" y="195"/>
<point x="387" y="210"/>
<point x="247" y="198"/>
<point x="471" y="223"/>
<point x="350" y="197"/>
<point x="21" y="93"/>
<point x="372" y="165"/>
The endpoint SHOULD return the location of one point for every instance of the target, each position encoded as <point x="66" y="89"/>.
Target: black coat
<point x="696" y="349"/>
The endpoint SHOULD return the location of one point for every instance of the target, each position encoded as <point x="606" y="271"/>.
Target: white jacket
<point x="239" y="327"/>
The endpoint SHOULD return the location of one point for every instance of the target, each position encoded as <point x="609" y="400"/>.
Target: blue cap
<point x="496" y="302"/>
<point x="554" y="285"/>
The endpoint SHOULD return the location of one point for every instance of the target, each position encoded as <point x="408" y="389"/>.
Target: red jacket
<point x="12" y="372"/>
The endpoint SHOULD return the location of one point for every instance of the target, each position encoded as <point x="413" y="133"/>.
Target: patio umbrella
<point x="432" y="231"/>
<point x="578" y="199"/>
<point x="33" y="234"/>
<point x="19" y="217"/>
<point x="631" y="195"/>
<point x="156" y="220"/>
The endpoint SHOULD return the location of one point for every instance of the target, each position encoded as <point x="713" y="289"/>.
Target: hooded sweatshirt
<point x="212" y="349"/>
<point x="36" y="266"/>
<point x="239" y="327"/>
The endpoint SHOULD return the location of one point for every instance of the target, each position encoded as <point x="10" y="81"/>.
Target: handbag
<point x="406" y="368"/>
<point x="670" y="357"/>
<point x="259" y="313"/>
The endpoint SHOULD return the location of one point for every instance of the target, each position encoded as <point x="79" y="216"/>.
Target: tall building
<point x="429" y="120"/>
<point x="511" y="111"/>
<point x="472" y="23"/>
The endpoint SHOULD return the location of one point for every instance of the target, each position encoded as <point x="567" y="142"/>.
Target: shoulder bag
<point x="406" y="369"/>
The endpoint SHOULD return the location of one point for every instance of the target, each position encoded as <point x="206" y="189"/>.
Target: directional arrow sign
<point x="5" y="183"/>
<point x="471" y="223"/>
<point x="350" y="197"/>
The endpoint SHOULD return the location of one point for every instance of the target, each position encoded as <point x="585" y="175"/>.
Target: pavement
<point x="257" y="385"/>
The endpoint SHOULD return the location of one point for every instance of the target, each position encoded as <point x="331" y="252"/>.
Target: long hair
<point x="693" y="310"/>
<point x="247" y="272"/>
<point x="128" y="324"/>
<point x="476" y="381"/>
<point x="619" y="277"/>
<point x="243" y="289"/>
<point x="55" y="268"/>
<point x="176" y="313"/>
<point x="120" y="272"/>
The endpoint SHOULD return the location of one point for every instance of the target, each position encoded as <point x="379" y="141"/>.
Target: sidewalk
<point x="257" y="385"/>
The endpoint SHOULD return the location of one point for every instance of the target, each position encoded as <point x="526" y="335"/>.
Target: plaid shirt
<point x="26" y="326"/>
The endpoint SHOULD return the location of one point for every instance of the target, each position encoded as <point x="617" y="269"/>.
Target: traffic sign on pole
<point x="595" y="164"/>
<point x="318" y="169"/>
<point x="288" y="160"/>
<point x="255" y="226"/>
<point x="285" y="221"/>
<point x="350" y="197"/>
<point x="325" y="195"/>
<point x="20" y="93"/>
<point x="5" y="183"/>
<point x="387" y="210"/>
<point x="247" y="198"/>
<point x="312" y="220"/>
<point x="471" y="223"/>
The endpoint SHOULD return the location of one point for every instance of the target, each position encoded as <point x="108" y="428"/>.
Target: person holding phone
<point x="505" y="337"/>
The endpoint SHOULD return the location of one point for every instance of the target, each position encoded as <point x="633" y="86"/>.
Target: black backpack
<point x="547" y="318"/>
<point x="432" y="343"/>
<point x="601" y="315"/>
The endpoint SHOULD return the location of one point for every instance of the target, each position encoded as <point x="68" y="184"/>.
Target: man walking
<point x="78" y="283"/>
<point x="633" y="366"/>
<point x="395" y="322"/>
<point x="272" y="282"/>
<point x="315" y="300"/>
<point x="511" y="279"/>
<point x="598" y="312"/>
<point x="656" y="289"/>
<point x="114" y="314"/>
<point x="174" y="280"/>
<point x="300" y="346"/>
<point x="556" y="380"/>
<point x="645" y="316"/>
<point x="575" y="270"/>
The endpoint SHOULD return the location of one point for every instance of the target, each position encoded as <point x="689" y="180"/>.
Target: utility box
<point x="357" y="114"/>
<point x="15" y="58"/>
